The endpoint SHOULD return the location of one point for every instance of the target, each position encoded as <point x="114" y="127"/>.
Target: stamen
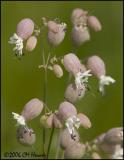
<point x="82" y="78"/>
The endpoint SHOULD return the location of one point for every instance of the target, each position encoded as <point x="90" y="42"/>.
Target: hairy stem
<point x="50" y="141"/>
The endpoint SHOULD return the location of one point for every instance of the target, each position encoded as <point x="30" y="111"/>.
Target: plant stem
<point x="50" y="141"/>
<point x="45" y="101"/>
<point x="58" y="145"/>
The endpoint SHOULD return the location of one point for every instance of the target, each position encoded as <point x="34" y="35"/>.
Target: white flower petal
<point x="20" y="119"/>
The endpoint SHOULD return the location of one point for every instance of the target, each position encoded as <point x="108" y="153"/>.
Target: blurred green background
<point x="22" y="80"/>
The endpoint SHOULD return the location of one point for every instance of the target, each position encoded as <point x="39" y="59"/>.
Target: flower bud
<point x="25" y="136"/>
<point x="114" y="136"/>
<point x="96" y="65"/>
<point x="94" y="23"/>
<point x="66" y="139"/>
<point x="73" y="94"/>
<point x="57" y="120"/>
<point x="78" y="16"/>
<point x="31" y="43"/>
<point x="80" y="35"/>
<point x="72" y="63"/>
<point x="47" y="121"/>
<point x="75" y="151"/>
<point x="95" y="155"/>
<point x="57" y="70"/>
<point x="56" y="33"/>
<point x="25" y="28"/>
<point x="84" y="120"/>
<point x="32" y="109"/>
<point x="67" y="110"/>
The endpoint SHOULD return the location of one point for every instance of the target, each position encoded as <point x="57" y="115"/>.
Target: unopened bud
<point x="47" y="121"/>
<point x="67" y="110"/>
<point x="72" y="63"/>
<point x="75" y="151"/>
<point x="84" y="120"/>
<point x="57" y="120"/>
<point x="80" y="35"/>
<point x="32" y="109"/>
<point x="57" y="70"/>
<point x="94" y="23"/>
<point x="73" y="94"/>
<point x="31" y="43"/>
<point x="25" y="28"/>
<point x="66" y="139"/>
<point x="25" y="136"/>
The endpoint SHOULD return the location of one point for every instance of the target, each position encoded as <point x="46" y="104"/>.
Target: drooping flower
<point x="97" y="67"/>
<point x="24" y="30"/>
<point x="56" y="32"/>
<point x="31" y="110"/>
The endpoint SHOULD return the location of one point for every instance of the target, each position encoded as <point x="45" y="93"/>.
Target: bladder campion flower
<point x="97" y="67"/>
<point x="24" y="30"/>
<point x="56" y="32"/>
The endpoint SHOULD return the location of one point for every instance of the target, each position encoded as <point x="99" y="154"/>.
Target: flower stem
<point x="50" y="141"/>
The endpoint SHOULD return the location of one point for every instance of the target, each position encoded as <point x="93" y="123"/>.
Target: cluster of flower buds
<point x="24" y="31"/>
<point x="97" y="67"/>
<point x="31" y="110"/>
<point x="111" y="143"/>
<point x="50" y="120"/>
<point x="81" y="21"/>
